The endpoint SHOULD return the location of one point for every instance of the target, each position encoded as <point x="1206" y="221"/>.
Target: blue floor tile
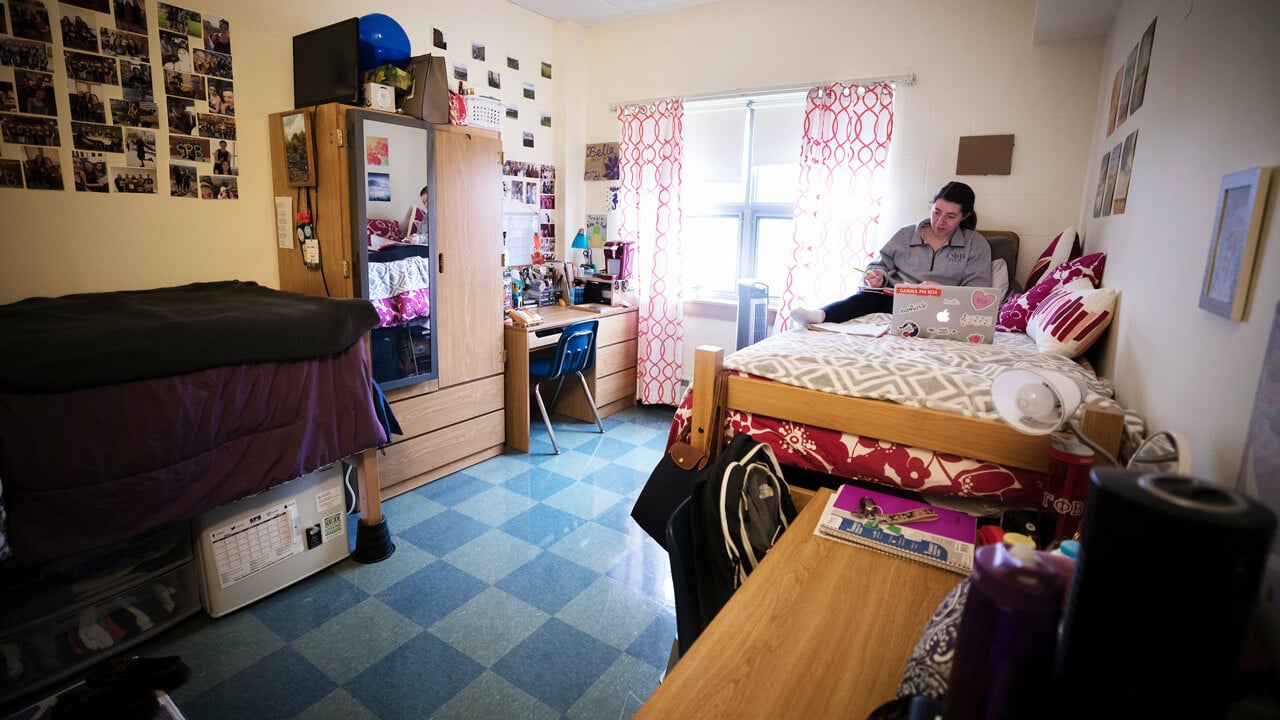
<point x="548" y="582"/>
<point x="556" y="664"/>
<point x="415" y="680"/>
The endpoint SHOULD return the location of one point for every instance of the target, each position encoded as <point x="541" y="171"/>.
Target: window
<point x="742" y="169"/>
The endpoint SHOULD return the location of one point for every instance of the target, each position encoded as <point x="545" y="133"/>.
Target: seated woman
<point x="943" y="249"/>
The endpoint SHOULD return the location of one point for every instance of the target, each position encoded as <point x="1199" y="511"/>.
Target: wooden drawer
<point x="618" y="386"/>
<point x="617" y="328"/>
<point x="435" y="454"/>
<point x="612" y="358"/>
<point x="430" y="412"/>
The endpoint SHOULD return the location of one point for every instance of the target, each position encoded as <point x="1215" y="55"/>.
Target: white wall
<point x="52" y="243"/>
<point x="1211" y="104"/>
<point x="978" y="71"/>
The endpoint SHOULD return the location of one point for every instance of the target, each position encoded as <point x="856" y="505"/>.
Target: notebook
<point x="945" y="312"/>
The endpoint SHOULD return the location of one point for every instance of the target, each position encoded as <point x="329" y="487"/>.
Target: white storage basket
<point x="484" y="112"/>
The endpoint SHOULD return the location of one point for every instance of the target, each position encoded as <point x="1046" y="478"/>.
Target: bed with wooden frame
<point x="722" y="396"/>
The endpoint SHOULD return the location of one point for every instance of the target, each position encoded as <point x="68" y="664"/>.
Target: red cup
<point x="1062" y="503"/>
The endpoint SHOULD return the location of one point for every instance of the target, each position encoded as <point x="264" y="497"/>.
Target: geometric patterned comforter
<point x="937" y="374"/>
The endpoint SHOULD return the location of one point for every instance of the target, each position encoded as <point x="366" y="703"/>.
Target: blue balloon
<point x="382" y="42"/>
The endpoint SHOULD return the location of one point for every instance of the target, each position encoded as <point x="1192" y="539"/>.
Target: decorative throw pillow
<point x="1000" y="277"/>
<point x="1017" y="309"/>
<point x="1072" y="317"/>
<point x="382" y="232"/>
<point x="1066" y="246"/>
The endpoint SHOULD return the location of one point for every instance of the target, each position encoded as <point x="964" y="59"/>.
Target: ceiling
<point x="1054" y="19"/>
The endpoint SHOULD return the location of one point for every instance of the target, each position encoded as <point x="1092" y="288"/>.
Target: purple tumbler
<point x="1004" y="659"/>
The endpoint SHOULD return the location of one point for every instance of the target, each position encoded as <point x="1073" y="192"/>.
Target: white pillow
<point x="1072" y="317"/>
<point x="1000" y="278"/>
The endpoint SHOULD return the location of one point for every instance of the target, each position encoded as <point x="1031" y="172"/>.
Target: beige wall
<point x="52" y="243"/>
<point x="1212" y="100"/>
<point x="978" y="73"/>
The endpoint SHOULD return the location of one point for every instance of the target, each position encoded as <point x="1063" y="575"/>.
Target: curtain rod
<point x="907" y="79"/>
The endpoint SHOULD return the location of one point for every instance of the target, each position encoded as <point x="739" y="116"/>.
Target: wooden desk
<point x="612" y="379"/>
<point x="820" y="629"/>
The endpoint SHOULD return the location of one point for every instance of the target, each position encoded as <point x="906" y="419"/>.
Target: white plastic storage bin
<point x="256" y="546"/>
<point x="484" y="112"/>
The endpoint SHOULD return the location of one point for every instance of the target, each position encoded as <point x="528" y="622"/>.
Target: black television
<point x="326" y="64"/>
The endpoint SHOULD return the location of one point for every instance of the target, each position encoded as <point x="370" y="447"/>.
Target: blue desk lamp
<point x="580" y="243"/>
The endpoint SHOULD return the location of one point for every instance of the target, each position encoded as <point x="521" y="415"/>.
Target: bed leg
<point x="373" y="538"/>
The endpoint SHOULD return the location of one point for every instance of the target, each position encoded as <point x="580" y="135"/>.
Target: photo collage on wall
<point x="1128" y="92"/>
<point x="532" y="187"/>
<point x="78" y="106"/>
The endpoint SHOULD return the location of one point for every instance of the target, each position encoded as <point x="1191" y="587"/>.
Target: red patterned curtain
<point x="651" y="158"/>
<point x="847" y="129"/>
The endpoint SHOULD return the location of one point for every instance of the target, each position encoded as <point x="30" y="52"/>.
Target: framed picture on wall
<point x="299" y="159"/>
<point x="1236" y="226"/>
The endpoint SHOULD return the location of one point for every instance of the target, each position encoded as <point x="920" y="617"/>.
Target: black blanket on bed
<point x="93" y="339"/>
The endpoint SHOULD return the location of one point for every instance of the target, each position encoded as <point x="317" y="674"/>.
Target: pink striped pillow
<point x="1071" y="318"/>
<point x="1018" y="307"/>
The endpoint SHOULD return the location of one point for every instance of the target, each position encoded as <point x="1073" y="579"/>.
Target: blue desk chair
<point x="575" y="353"/>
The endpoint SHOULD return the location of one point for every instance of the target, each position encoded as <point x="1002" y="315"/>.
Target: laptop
<point x="945" y="312"/>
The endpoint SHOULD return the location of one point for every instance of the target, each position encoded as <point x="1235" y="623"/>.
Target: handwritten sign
<point x="601" y="162"/>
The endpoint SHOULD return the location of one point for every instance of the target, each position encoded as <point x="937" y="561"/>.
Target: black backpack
<point x="741" y="505"/>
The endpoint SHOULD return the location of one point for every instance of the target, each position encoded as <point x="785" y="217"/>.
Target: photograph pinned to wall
<point x="218" y="187"/>
<point x="1113" y="170"/>
<point x="531" y="193"/>
<point x="207" y="62"/>
<point x="1145" y="45"/>
<point x="513" y="113"/>
<point x="178" y="20"/>
<point x="495" y="80"/>
<point x="8" y="97"/>
<point x="91" y="68"/>
<point x="217" y="34"/>
<point x="1126" y="86"/>
<point x="99" y="138"/>
<point x="529" y="92"/>
<point x="124" y="44"/>
<point x="181" y="116"/>
<point x="175" y="52"/>
<point x="437" y="39"/>
<point x="216" y="126"/>
<point x="1228" y="273"/>
<point x="80" y="30"/>
<point x="516" y="190"/>
<point x="546" y="71"/>
<point x="477" y="51"/>
<point x="225" y="159"/>
<point x="134" y="181"/>
<point x="20" y="130"/>
<point x="135" y="78"/>
<point x="379" y="187"/>
<point x="131" y="16"/>
<point x="528" y="139"/>
<point x="1121" y="196"/>
<point x="134" y="114"/>
<point x="26" y="54"/>
<point x="41" y="168"/>
<point x="182" y="181"/>
<point x="460" y="71"/>
<point x="31" y="20"/>
<point x="141" y="148"/>
<point x="222" y="97"/>
<point x="186" y="85"/>
<point x="546" y="119"/>
<point x="299" y="157"/>
<point x="601" y="162"/>
<point x="35" y="92"/>
<point x="10" y="174"/>
<point x="86" y="102"/>
<point x="1115" y="102"/>
<point x="193" y="149"/>
<point x="4" y="30"/>
<point x="376" y="151"/>
<point x="513" y="63"/>
<point x="89" y="169"/>
<point x="1102" y="185"/>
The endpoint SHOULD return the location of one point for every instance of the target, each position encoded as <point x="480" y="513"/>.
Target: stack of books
<point x="911" y="529"/>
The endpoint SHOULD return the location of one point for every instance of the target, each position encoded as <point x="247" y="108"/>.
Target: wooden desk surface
<point x="556" y="316"/>
<point x="821" y="629"/>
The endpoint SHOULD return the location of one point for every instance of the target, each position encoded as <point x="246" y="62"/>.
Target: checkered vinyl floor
<point x="520" y="588"/>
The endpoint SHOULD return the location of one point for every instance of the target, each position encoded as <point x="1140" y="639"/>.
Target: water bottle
<point x="1003" y="664"/>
